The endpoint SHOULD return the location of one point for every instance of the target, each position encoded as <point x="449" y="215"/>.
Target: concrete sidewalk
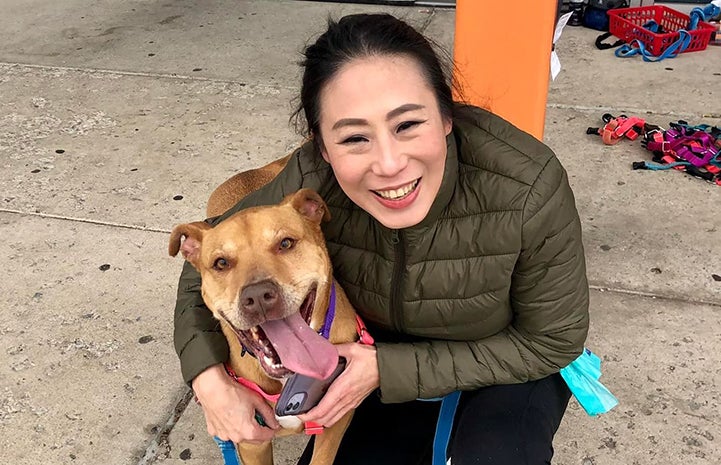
<point x="117" y="119"/>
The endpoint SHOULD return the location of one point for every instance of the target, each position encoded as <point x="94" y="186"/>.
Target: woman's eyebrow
<point x="349" y="122"/>
<point x="391" y="114"/>
<point x="402" y="109"/>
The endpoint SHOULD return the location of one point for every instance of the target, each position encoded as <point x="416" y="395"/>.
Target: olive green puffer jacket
<point x="491" y="285"/>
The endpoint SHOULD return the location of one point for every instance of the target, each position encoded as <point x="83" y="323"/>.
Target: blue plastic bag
<point x="582" y="376"/>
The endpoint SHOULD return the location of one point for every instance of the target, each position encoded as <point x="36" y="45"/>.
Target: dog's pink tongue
<point x="301" y="349"/>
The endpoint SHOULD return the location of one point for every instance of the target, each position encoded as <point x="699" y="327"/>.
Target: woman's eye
<point x="221" y="264"/>
<point x="287" y="243"/>
<point x="407" y="125"/>
<point x="353" y="140"/>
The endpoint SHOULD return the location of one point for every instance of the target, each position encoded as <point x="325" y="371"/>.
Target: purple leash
<point x="330" y="314"/>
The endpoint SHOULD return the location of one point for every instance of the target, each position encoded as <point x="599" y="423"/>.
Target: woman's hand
<point x="230" y="408"/>
<point x="359" y="379"/>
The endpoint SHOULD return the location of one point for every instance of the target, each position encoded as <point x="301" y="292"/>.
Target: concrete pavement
<point x="118" y="118"/>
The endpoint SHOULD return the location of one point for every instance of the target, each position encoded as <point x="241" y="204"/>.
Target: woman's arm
<point x="199" y="342"/>
<point x="549" y="296"/>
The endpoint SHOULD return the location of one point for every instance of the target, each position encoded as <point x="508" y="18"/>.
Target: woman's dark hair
<point x="360" y="36"/>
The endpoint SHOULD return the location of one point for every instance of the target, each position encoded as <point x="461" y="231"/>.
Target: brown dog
<point x="266" y="276"/>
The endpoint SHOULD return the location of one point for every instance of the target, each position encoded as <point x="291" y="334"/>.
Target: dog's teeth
<point x="256" y="335"/>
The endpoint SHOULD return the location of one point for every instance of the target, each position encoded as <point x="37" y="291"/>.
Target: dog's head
<point x="266" y="273"/>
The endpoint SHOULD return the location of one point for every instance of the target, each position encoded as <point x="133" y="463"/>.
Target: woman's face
<point x="383" y="134"/>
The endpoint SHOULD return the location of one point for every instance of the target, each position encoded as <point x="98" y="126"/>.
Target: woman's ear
<point x="318" y="142"/>
<point x="447" y="125"/>
<point x="324" y="154"/>
<point x="321" y="148"/>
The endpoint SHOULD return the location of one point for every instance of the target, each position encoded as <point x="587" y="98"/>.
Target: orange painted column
<point x="503" y="53"/>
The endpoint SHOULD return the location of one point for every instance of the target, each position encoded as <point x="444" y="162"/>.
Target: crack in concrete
<point x="159" y="445"/>
<point x="423" y="27"/>
<point x="637" y="111"/>
<point x="85" y="220"/>
<point x="597" y="287"/>
<point x="173" y="76"/>
<point x="651" y="295"/>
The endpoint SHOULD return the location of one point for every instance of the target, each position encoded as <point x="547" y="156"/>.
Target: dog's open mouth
<point x="290" y="345"/>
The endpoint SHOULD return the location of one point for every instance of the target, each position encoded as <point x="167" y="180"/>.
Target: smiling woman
<point x="387" y="153"/>
<point x="454" y="235"/>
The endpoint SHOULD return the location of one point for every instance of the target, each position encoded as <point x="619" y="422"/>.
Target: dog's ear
<point x="193" y="234"/>
<point x="309" y="204"/>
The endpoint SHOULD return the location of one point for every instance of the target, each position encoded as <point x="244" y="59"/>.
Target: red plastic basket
<point x="627" y="24"/>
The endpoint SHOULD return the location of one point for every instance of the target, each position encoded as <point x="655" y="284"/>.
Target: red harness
<point x="616" y="128"/>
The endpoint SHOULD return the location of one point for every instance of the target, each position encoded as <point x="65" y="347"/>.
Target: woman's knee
<point x="509" y="425"/>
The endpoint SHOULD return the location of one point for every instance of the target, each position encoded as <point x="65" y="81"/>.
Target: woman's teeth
<point x="396" y="194"/>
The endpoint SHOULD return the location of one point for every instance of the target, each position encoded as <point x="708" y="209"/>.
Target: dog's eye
<point x="287" y="243"/>
<point x="221" y="264"/>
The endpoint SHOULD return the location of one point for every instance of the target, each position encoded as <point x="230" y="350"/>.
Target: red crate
<point x="627" y="24"/>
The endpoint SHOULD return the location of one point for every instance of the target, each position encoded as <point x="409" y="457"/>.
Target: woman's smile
<point x="398" y="193"/>
<point x="400" y="198"/>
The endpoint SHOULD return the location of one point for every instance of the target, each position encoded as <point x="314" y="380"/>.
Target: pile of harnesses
<point x="695" y="150"/>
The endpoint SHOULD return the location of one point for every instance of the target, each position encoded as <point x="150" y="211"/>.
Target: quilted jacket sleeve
<point x="198" y="340"/>
<point x="549" y="298"/>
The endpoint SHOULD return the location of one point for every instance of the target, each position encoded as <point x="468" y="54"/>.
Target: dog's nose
<point x="259" y="298"/>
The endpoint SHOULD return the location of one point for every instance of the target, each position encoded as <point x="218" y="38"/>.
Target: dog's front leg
<point x="326" y="444"/>
<point x="255" y="454"/>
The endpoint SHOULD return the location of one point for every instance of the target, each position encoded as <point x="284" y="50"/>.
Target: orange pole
<point x="503" y="53"/>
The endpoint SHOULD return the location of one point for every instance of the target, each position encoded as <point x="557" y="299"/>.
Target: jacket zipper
<point x="396" y="305"/>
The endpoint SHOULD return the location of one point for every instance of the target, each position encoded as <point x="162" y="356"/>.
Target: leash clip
<point x="364" y="337"/>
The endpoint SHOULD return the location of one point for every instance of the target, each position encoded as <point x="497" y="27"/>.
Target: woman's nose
<point x="389" y="159"/>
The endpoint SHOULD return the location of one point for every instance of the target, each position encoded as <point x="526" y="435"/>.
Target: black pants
<point x="498" y="425"/>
